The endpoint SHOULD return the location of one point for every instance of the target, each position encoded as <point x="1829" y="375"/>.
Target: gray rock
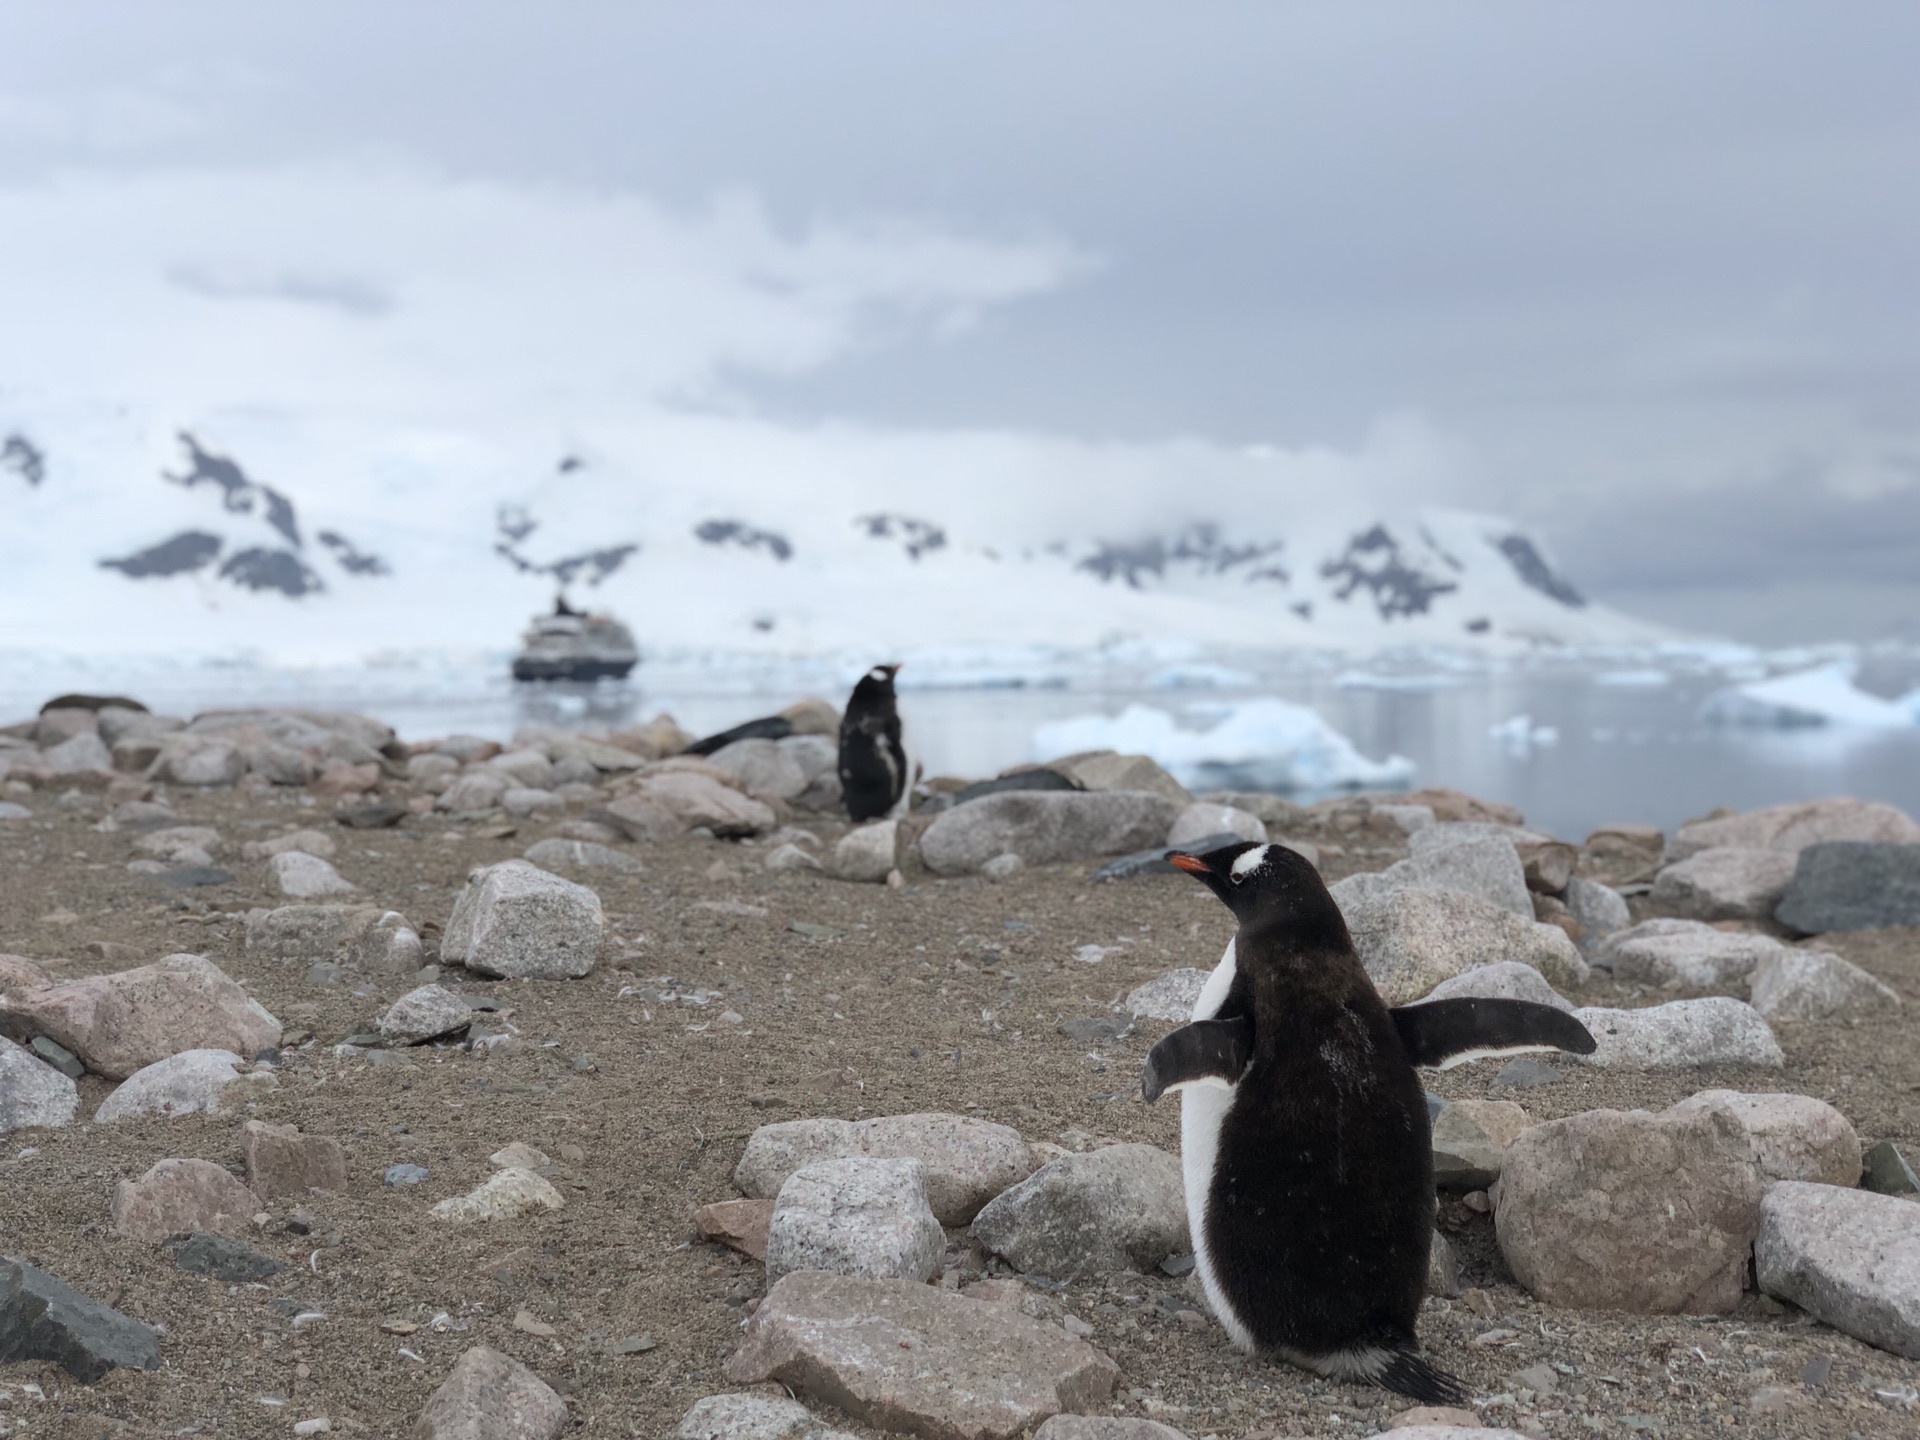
<point x="181" y="844"/>
<point x="1171" y="996"/>
<point x="424" y="1014"/>
<point x="1623" y="1210"/>
<point x="1507" y="980"/>
<point x="858" y="1216"/>
<point x="525" y="802"/>
<point x="1847" y="1257"/>
<point x="301" y="876"/>
<point x="1885" y="1171"/>
<point x="183" y="1084"/>
<point x="764" y="767"/>
<point x="1795" y="1137"/>
<point x="789" y="856"/>
<point x="11" y="811"/>
<point x="118" y="723"/>
<point x="1411" y="940"/>
<point x="1852" y="885"/>
<point x="516" y="920"/>
<point x="696" y="799"/>
<point x="1470" y="1140"/>
<point x="314" y="842"/>
<point x="753" y="1417"/>
<point x="1681" y="1035"/>
<point x="473" y="792"/>
<point x="1607" y="947"/>
<point x="507" y="1194"/>
<point x="224" y="1259"/>
<point x="1801" y="986"/>
<point x="58" y="1056"/>
<point x="1105" y="1427"/>
<point x="1003" y="867"/>
<point x="1106" y="770"/>
<point x="490" y="1396"/>
<point x="1702" y="959"/>
<point x="557" y="854"/>
<point x="1443" y="1266"/>
<point x="1405" y="818"/>
<point x="1790" y="828"/>
<point x="1094" y="1029"/>
<point x="1201" y="820"/>
<point x="1118" y="1208"/>
<point x="526" y="769"/>
<point x="82" y="754"/>
<point x="1526" y="1072"/>
<point x="602" y="756"/>
<point x="1598" y="909"/>
<point x="44" y="1318"/>
<point x="967" y="1161"/>
<point x="403" y="1174"/>
<point x="278" y="764"/>
<point x="1154" y="861"/>
<point x="1044" y="828"/>
<point x="903" y="1356"/>
<point x="187" y="877"/>
<point x="866" y="854"/>
<point x="1473" y="859"/>
<point x="194" y="760"/>
<point x="33" y="1093"/>
<point x="1724" y="883"/>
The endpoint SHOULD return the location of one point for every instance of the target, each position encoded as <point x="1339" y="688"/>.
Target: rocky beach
<point x="360" y="1084"/>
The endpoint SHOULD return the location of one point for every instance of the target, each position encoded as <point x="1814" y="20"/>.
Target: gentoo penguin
<point x="874" y="769"/>
<point x="1304" y="1136"/>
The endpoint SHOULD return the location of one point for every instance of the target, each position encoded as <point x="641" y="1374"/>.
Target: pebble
<point x="424" y="1014"/>
<point x="1885" y="1171"/>
<point x="403" y="1174"/>
<point x="301" y="876"/>
<point x="224" y="1259"/>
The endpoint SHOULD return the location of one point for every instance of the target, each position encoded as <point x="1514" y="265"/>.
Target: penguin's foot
<point x="1388" y="1366"/>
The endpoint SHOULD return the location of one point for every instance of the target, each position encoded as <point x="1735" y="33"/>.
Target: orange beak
<point x="1192" y="864"/>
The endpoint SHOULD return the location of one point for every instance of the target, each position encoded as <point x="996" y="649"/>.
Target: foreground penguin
<point x="874" y="770"/>
<point x="1304" y="1136"/>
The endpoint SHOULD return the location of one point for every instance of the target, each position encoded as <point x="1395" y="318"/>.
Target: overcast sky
<point x="1648" y="274"/>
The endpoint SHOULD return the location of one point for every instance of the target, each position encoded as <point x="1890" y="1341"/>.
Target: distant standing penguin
<point x="874" y="769"/>
<point x="1304" y="1136"/>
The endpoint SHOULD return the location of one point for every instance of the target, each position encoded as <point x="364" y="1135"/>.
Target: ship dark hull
<point x="538" y="670"/>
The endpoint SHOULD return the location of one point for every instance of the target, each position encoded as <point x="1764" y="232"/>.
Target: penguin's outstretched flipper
<point x="1440" y="1034"/>
<point x="1205" y="1052"/>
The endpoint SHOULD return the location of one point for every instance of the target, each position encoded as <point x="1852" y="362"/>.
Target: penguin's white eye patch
<point x="877" y="673"/>
<point x="1248" y="863"/>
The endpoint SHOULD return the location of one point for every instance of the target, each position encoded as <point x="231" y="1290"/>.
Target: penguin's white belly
<point x="1203" y="1109"/>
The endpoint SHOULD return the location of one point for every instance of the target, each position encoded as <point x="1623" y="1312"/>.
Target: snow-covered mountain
<point x="126" y="536"/>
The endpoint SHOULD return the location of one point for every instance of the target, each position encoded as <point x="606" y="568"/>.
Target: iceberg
<point x="1519" y="734"/>
<point x="1824" y="695"/>
<point x="1268" y="743"/>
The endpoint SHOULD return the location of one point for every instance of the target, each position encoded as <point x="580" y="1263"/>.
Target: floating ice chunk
<point x="1633" y="679"/>
<point x="1519" y="734"/>
<point x="1198" y="677"/>
<point x="1373" y="680"/>
<point x="1824" y="695"/>
<point x="1269" y="742"/>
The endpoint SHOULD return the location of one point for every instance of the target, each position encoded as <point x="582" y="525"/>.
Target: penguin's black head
<point x="1267" y="885"/>
<point x="875" y="689"/>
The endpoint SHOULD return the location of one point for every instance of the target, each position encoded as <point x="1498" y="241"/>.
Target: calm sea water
<point x="1618" y="752"/>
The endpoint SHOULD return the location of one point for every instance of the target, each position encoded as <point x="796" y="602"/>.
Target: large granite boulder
<point x="967" y="1161"/>
<point x="1795" y="1137"/>
<point x="1045" y="828"/>
<point x="1791" y="828"/>
<point x="1724" y="883"/>
<point x="1412" y="939"/>
<point x="1681" y="1035"/>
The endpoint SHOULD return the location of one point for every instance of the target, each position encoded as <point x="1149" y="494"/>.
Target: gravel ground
<point x="851" y="1001"/>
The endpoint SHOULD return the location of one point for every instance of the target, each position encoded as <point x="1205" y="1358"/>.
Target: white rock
<point x="763" y="767"/>
<point x="1703" y="959"/>
<point x="1201" y="819"/>
<point x="1724" y="883"/>
<point x="967" y="1161"/>
<point x="1847" y="1257"/>
<point x="32" y="1092"/>
<point x="1603" y="950"/>
<point x="514" y="919"/>
<point x="177" y="841"/>
<point x="505" y="1195"/>
<point x="301" y="876"/>
<point x="313" y="842"/>
<point x="1798" y="986"/>
<point x="1171" y="996"/>
<point x="1681" y="1035"/>
<point x="866" y="854"/>
<point x="424" y="1014"/>
<point x="517" y="1154"/>
<point x="1795" y="1137"/>
<point x="1508" y="980"/>
<point x="858" y="1216"/>
<point x="555" y="853"/>
<point x="82" y="754"/>
<point x="753" y="1417"/>
<point x="1001" y="867"/>
<point x="183" y="1084"/>
<point x="791" y="857"/>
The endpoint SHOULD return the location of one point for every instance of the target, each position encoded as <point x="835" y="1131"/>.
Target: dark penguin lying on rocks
<point x="1304" y="1134"/>
<point x="874" y="769"/>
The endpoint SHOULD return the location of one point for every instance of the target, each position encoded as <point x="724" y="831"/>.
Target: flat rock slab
<point x="752" y="1417"/>
<point x="224" y="1259"/>
<point x="968" y="1161"/>
<point x="555" y="853"/>
<point x="1680" y="1035"/>
<point x="1801" y="986"/>
<point x="1122" y="1207"/>
<point x="1045" y="828"/>
<point x="44" y="1318"/>
<point x="422" y="1014"/>
<point x="1848" y="1257"/>
<point x="32" y="1092"/>
<point x="119" y="1023"/>
<point x="858" y="1216"/>
<point x="1702" y="959"/>
<point x="490" y="1396"/>
<point x="1852" y="885"/>
<point x="282" y="1161"/>
<point x="902" y="1356"/>
<point x="515" y="920"/>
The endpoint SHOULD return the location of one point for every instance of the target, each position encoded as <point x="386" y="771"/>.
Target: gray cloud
<point x="339" y="292"/>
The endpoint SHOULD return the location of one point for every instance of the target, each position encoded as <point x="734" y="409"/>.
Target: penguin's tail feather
<point x="1391" y="1365"/>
